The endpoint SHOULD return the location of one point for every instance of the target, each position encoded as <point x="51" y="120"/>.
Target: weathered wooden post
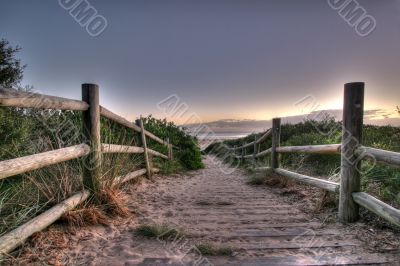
<point x="169" y="150"/>
<point x="91" y="133"/>
<point x="276" y="138"/>
<point x="353" y="109"/>
<point x="243" y="154"/>
<point x="139" y="122"/>
<point x="255" y="150"/>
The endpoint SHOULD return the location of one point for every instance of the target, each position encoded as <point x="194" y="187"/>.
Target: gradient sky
<point x="224" y="58"/>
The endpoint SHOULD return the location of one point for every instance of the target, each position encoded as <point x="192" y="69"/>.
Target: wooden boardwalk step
<point x="365" y="259"/>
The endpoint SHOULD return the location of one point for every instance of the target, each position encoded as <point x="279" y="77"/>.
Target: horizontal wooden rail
<point x="18" y="236"/>
<point x="130" y="176"/>
<point x="324" y="184"/>
<point x="155" y="138"/>
<point x="263" y="153"/>
<point x="112" y="148"/>
<point x="318" y="149"/>
<point x="120" y="120"/>
<point x="32" y="162"/>
<point x="381" y="156"/>
<point x="156" y="153"/>
<point x="378" y="207"/>
<point x="251" y="144"/>
<point x="14" y="98"/>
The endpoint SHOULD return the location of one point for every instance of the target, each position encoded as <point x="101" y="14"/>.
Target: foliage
<point x="209" y="249"/>
<point x="159" y="231"/>
<point x="11" y="69"/>
<point x="186" y="148"/>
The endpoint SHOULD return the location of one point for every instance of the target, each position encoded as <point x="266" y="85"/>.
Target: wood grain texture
<point x="112" y="148"/>
<point x="353" y="109"/>
<point x="13" y="98"/>
<point x="91" y="131"/>
<point x="314" y="149"/>
<point x="378" y="207"/>
<point x="18" y="236"/>
<point x="33" y="162"/>
<point x="316" y="182"/>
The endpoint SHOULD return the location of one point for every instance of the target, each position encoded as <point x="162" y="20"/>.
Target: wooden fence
<point x="91" y="150"/>
<point x="351" y="151"/>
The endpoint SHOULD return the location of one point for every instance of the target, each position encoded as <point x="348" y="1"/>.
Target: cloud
<point x="377" y="117"/>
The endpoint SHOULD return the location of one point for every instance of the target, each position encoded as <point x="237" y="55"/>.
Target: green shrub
<point x="186" y="149"/>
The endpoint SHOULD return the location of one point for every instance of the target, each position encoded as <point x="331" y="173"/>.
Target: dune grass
<point x="209" y="249"/>
<point x="158" y="231"/>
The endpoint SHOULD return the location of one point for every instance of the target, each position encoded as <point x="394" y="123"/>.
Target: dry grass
<point x="85" y="217"/>
<point x="113" y="202"/>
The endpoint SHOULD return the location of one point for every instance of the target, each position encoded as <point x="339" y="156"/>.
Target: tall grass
<point x="25" y="132"/>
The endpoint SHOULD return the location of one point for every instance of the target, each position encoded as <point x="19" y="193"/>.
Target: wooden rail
<point x="13" y="98"/>
<point x="382" y="209"/>
<point x="351" y="151"/>
<point x="18" y="236"/>
<point x="91" y="151"/>
<point x="258" y="141"/>
<point x="122" y="121"/>
<point x="381" y="156"/>
<point x="112" y="148"/>
<point x="33" y="162"/>
<point x="320" y="183"/>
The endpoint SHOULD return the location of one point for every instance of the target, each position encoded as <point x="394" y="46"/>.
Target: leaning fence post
<point x="91" y="133"/>
<point x="353" y="109"/>
<point x="276" y="138"/>
<point x="139" y="122"/>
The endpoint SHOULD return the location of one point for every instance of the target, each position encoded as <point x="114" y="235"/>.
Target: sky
<point x="225" y="59"/>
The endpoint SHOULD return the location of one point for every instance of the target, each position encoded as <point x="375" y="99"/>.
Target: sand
<point x="260" y="224"/>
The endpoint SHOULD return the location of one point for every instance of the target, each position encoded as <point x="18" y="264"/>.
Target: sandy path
<point x="217" y="208"/>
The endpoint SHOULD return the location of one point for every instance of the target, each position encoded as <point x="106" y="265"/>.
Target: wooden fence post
<point x="169" y="150"/>
<point x="139" y="122"/>
<point x="276" y="136"/>
<point x="255" y="149"/>
<point x="243" y="154"/>
<point x="91" y="133"/>
<point x="353" y="109"/>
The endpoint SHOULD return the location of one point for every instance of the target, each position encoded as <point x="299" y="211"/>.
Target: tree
<point x="11" y="70"/>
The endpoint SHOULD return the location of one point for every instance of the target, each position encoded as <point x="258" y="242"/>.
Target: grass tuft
<point x="208" y="249"/>
<point x="256" y="180"/>
<point x="159" y="231"/>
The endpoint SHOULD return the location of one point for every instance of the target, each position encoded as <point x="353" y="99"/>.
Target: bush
<point x="186" y="148"/>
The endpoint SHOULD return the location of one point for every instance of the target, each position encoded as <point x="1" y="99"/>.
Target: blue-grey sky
<point x="224" y="58"/>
